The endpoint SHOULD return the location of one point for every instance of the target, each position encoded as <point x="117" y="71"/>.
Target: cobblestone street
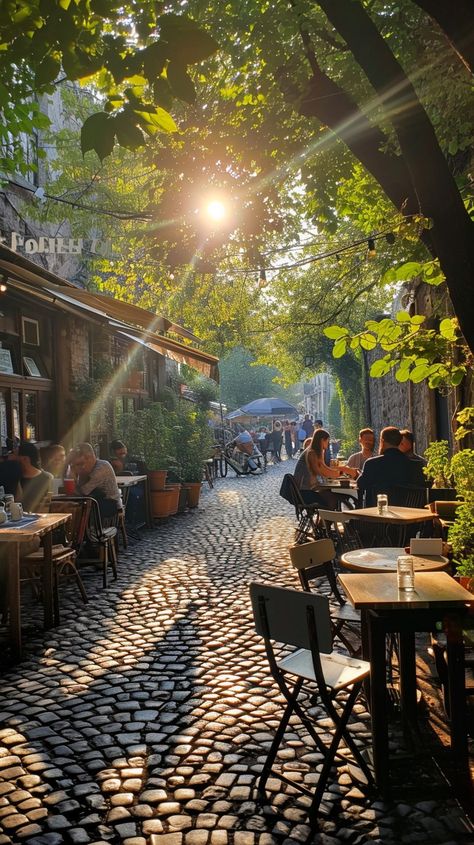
<point x="144" y="718"/>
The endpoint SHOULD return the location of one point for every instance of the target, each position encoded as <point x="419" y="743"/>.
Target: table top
<point x="380" y="591"/>
<point x="396" y="515"/>
<point x="385" y="560"/>
<point x="37" y="528"/>
<point x="129" y="480"/>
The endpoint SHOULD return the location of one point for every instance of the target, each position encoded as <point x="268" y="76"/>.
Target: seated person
<point x="95" y="478"/>
<point x="10" y="475"/>
<point x="367" y="446"/>
<point x="35" y="482"/>
<point x="119" y="458"/>
<point x="312" y="472"/>
<point x="53" y="459"/>
<point x="391" y="468"/>
<point x="407" y="446"/>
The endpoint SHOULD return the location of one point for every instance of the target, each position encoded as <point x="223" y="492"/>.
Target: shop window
<point x="31" y="416"/>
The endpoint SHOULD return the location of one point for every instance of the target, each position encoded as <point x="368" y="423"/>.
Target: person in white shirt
<point x="367" y="444"/>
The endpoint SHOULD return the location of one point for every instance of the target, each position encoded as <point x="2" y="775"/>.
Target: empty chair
<point x="291" y="618"/>
<point x="64" y="553"/>
<point x="306" y="514"/>
<point x="99" y="542"/>
<point x="341" y="529"/>
<point x="316" y="560"/>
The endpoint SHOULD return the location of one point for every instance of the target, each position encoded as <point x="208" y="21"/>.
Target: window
<point x="31" y="333"/>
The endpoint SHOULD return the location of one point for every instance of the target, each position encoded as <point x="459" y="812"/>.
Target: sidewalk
<point x="143" y="719"/>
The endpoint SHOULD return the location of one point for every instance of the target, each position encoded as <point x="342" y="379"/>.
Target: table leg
<point x="378" y="702"/>
<point x="149" y="514"/>
<point x="457" y="697"/>
<point x="50" y="603"/>
<point x="408" y="675"/>
<point x="14" y="603"/>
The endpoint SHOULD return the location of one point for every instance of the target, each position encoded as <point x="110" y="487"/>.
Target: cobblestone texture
<point x="145" y="717"/>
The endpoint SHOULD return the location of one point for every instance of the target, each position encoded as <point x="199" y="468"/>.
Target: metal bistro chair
<point x="316" y="560"/>
<point x="99" y="544"/>
<point x="292" y="618"/>
<point x="306" y="514"/>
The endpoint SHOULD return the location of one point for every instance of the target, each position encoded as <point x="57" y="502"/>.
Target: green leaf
<point x="447" y="329"/>
<point x="128" y="134"/>
<point x="188" y="43"/>
<point x="457" y="376"/>
<point x="47" y="71"/>
<point x="159" y="119"/>
<point x="162" y="95"/>
<point x="417" y="319"/>
<point x="335" y="332"/>
<point x="355" y="342"/>
<point x="367" y="341"/>
<point x="98" y="133"/>
<point x="379" y="368"/>
<point x="402" y="374"/>
<point x="403" y="317"/>
<point x="340" y="347"/>
<point x="420" y="372"/>
<point x="181" y="83"/>
<point x="154" y="59"/>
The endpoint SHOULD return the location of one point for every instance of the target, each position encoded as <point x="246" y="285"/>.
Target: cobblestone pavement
<point x="144" y="718"/>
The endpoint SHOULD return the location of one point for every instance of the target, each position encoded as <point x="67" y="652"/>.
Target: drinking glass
<point x="405" y="573"/>
<point x="382" y="503"/>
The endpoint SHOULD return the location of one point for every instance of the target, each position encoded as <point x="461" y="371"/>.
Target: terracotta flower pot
<point x="175" y="490"/>
<point x="161" y="503"/>
<point x="157" y="479"/>
<point x="194" y="491"/>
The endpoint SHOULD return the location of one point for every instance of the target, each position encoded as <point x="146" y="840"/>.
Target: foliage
<point x="461" y="536"/>
<point x="242" y="380"/>
<point x="334" y="417"/>
<point x="465" y="420"/>
<point x="193" y="441"/>
<point x="136" y="57"/>
<point x="438" y="463"/>
<point x="462" y="470"/>
<point x="149" y="434"/>
<point x="204" y="391"/>
<point x="418" y="353"/>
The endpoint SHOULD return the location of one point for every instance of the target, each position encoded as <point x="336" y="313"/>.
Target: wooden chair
<point x="64" y="553"/>
<point x="316" y="560"/>
<point x="290" y="618"/>
<point x="99" y="544"/>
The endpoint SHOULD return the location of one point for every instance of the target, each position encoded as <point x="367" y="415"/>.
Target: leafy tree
<point x="242" y="380"/>
<point x="135" y="56"/>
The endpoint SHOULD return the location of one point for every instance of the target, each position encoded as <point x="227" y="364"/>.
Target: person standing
<point x="367" y="446"/>
<point x="276" y="440"/>
<point x="288" y="438"/>
<point x="308" y="425"/>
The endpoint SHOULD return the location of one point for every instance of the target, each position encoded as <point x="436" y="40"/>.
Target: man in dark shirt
<point x="391" y="468"/>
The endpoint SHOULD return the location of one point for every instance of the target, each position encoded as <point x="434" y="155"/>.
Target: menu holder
<point x="426" y="546"/>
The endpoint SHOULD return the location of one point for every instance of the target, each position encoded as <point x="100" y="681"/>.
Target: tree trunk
<point x="456" y="19"/>
<point x="452" y="234"/>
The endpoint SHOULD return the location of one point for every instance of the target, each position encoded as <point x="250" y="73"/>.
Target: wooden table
<point x="385" y="560"/>
<point x="394" y="516"/>
<point x="386" y="609"/>
<point x="14" y="537"/>
<point x="125" y="482"/>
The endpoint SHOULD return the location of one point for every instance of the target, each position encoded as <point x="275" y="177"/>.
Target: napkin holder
<point x="426" y="546"/>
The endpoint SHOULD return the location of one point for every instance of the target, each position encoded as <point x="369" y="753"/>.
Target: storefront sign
<point x="56" y="246"/>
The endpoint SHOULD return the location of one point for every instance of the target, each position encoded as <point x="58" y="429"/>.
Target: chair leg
<point x="267" y="767"/>
<point x="104" y="559"/>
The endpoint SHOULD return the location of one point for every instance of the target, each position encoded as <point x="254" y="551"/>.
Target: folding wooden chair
<point x="316" y="560"/>
<point x="306" y="514"/>
<point x="298" y="619"/>
<point x="97" y="538"/>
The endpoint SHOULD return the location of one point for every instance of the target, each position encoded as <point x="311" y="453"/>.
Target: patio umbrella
<point x="270" y="407"/>
<point x="233" y="415"/>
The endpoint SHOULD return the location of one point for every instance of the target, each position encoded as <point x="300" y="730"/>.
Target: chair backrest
<point x="315" y="553"/>
<point x="287" y="488"/>
<point x="346" y="538"/>
<point x="398" y="495"/>
<point x="282" y="615"/>
<point x="447" y="510"/>
<point x="80" y="508"/>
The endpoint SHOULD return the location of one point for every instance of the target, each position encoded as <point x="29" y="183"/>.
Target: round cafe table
<point x="385" y="560"/>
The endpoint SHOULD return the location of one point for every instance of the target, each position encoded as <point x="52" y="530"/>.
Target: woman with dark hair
<point x="35" y="482"/>
<point x="312" y="473"/>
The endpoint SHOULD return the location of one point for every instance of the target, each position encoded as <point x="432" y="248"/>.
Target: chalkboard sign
<point x="6" y="365"/>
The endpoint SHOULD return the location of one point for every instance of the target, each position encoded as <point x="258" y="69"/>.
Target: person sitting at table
<point x="53" y="459"/>
<point x="367" y="446"/>
<point x="119" y="458"/>
<point x="391" y="468"/>
<point x="312" y="472"/>
<point x="407" y="446"/>
<point x="95" y="478"/>
<point x="10" y="475"/>
<point x="35" y="482"/>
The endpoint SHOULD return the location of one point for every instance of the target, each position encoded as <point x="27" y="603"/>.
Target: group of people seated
<point x="28" y="474"/>
<point x="396" y="465"/>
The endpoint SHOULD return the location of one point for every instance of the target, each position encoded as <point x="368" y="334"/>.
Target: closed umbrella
<point x="269" y="407"/>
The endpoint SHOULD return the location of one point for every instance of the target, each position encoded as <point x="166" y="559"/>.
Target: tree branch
<point x="456" y="19"/>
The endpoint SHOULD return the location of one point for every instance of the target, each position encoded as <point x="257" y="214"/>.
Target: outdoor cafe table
<point x="125" y="482"/>
<point x="385" y="560"/>
<point x="13" y="537"/>
<point x="395" y="515"/>
<point x="386" y="609"/>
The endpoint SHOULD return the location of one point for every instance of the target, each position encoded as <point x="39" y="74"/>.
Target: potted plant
<point x="437" y="468"/>
<point x="461" y="533"/>
<point x="149" y="433"/>
<point x="193" y="444"/>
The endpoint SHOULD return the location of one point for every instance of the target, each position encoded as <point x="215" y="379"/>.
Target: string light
<point x="390" y="238"/>
<point x="3" y="284"/>
<point x="371" y="251"/>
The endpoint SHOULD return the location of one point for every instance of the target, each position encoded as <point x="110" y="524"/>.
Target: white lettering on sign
<point x="57" y="246"/>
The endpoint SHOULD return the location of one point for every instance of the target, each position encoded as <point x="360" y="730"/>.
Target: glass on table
<point x="382" y="503"/>
<point x="405" y="573"/>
